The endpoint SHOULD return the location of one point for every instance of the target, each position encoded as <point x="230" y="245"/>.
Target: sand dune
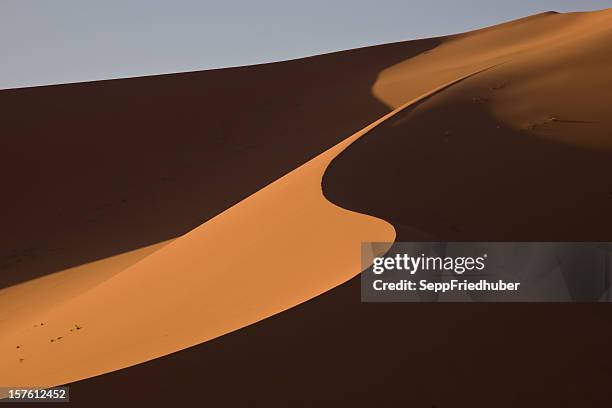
<point x="504" y="154"/>
<point x="252" y="261"/>
<point x="172" y="157"/>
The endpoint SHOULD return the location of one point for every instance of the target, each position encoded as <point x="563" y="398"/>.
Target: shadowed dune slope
<point x="335" y="349"/>
<point x="92" y="170"/>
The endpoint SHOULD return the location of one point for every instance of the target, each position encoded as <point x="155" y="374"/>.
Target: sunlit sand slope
<point x="277" y="248"/>
<point x="28" y="300"/>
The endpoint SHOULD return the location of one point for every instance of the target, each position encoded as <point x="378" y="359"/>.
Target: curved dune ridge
<point x="252" y="261"/>
<point x="287" y="244"/>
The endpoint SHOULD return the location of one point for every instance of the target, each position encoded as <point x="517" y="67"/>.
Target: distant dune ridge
<point x="160" y="202"/>
<point x="520" y="152"/>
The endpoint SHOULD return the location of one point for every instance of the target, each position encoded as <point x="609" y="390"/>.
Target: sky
<point x="60" y="41"/>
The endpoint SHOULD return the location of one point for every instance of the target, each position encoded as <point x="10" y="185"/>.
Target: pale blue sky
<point x="58" y="41"/>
